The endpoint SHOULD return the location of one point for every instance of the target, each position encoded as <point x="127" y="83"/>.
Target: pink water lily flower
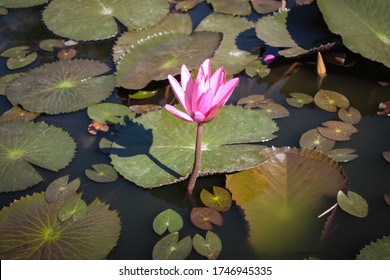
<point x="203" y="98"/>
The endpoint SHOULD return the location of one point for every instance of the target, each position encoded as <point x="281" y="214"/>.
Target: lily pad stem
<point x="198" y="150"/>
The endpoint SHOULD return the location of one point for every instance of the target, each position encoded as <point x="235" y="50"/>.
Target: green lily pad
<point x="15" y="51"/>
<point x="170" y="248"/>
<point x="30" y="229"/>
<point x="76" y="208"/>
<point x="282" y="196"/>
<point x="205" y="218"/>
<point x="162" y="146"/>
<point x="378" y="250"/>
<point x="353" y="204"/>
<point x="257" y="68"/>
<point x="143" y="94"/>
<point x="25" y="143"/>
<point x="21" y="3"/>
<point x="62" y="86"/>
<point x="228" y="55"/>
<point x="209" y="247"/>
<point x="342" y="155"/>
<point x="106" y="142"/>
<point x="274" y="110"/>
<point x="219" y="200"/>
<point x="102" y="173"/>
<point x="232" y="7"/>
<point x="360" y="21"/>
<point x="350" y="115"/>
<point x="16" y="62"/>
<point x="109" y="113"/>
<point x="50" y="44"/>
<point x="6" y="80"/>
<point x="265" y="6"/>
<point x="96" y="20"/>
<point x="313" y="140"/>
<point x="180" y="23"/>
<point x="299" y="99"/>
<point x="167" y="220"/>
<point x="330" y="100"/>
<point x="336" y="130"/>
<point x="61" y="189"/>
<point x="186" y="5"/>
<point x="252" y="101"/>
<point x="17" y="113"/>
<point x="169" y="51"/>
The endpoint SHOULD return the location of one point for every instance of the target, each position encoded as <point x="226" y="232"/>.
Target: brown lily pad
<point x="350" y="115"/>
<point x="330" y="100"/>
<point x="342" y="155"/>
<point x="66" y="54"/>
<point x="204" y="218"/>
<point x="140" y="109"/>
<point x="313" y="140"/>
<point x="17" y="113"/>
<point x="387" y="198"/>
<point x="336" y="130"/>
<point x="386" y="155"/>
<point x="274" y="110"/>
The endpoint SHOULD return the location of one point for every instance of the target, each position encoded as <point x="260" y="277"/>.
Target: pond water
<point x="367" y="175"/>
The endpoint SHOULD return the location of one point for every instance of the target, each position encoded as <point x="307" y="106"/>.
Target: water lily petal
<point x="204" y="70"/>
<point x="205" y="102"/>
<point x="199" y="117"/>
<point x="178" y="91"/>
<point x="187" y="85"/>
<point x="178" y="113"/>
<point x="217" y="79"/>
<point x="224" y="92"/>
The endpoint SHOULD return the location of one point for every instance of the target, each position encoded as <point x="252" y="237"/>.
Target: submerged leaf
<point x="330" y="100"/>
<point x="204" y="218"/>
<point x="30" y="229"/>
<point x="76" y="208"/>
<point x="170" y="248"/>
<point x="219" y="200"/>
<point x="233" y="7"/>
<point x="62" y="86"/>
<point x="59" y="190"/>
<point x="167" y="220"/>
<point x="102" y="173"/>
<point x="353" y="204"/>
<point x="378" y="250"/>
<point x="25" y="143"/>
<point x="209" y="247"/>
<point x="257" y="68"/>
<point x="313" y="140"/>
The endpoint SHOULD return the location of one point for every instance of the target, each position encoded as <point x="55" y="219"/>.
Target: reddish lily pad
<point x="170" y="248"/>
<point x="204" y="218"/>
<point x="299" y="99"/>
<point x="336" y="130"/>
<point x="330" y="100"/>
<point x="59" y="190"/>
<point x="313" y="140"/>
<point x="219" y="200"/>
<point x="386" y="155"/>
<point x="274" y="110"/>
<point x="209" y="247"/>
<point x="76" y="208"/>
<point x="353" y="204"/>
<point x="17" y="113"/>
<point x="342" y="155"/>
<point x="167" y="220"/>
<point x="50" y="44"/>
<point x="102" y="173"/>
<point x="66" y="54"/>
<point x="350" y="115"/>
<point x="387" y="198"/>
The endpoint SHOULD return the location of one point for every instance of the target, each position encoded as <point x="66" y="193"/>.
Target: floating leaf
<point x="274" y="110"/>
<point x="96" y="20"/>
<point x="265" y="6"/>
<point x="30" y="229"/>
<point x="143" y="94"/>
<point x="350" y="115"/>
<point x="257" y="68"/>
<point x="229" y="55"/>
<point x="106" y="143"/>
<point x="378" y="250"/>
<point x="162" y="146"/>
<point x="66" y="54"/>
<point x="330" y="100"/>
<point x="186" y="5"/>
<point x="141" y="109"/>
<point x="281" y="197"/>
<point x="209" y="247"/>
<point x="102" y="173"/>
<point x="233" y="7"/>
<point x="252" y="101"/>
<point x="180" y="23"/>
<point x="170" y="248"/>
<point x="299" y="99"/>
<point x="342" y="155"/>
<point x="109" y="113"/>
<point x="15" y="51"/>
<point x="50" y="44"/>
<point x="21" y="3"/>
<point x="6" y="80"/>
<point x="3" y="11"/>
<point x="16" y="62"/>
<point x="336" y="130"/>
<point x="59" y="190"/>
<point x="386" y="155"/>
<point x="167" y="220"/>
<point x="219" y="200"/>
<point x="62" y="86"/>
<point x="204" y="218"/>
<point x="17" y="113"/>
<point x="353" y="204"/>
<point x="313" y="140"/>
<point x="76" y="208"/>
<point x="170" y="50"/>
<point x="360" y="21"/>
<point x="25" y="143"/>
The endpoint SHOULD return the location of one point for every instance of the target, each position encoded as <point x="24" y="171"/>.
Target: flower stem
<point x="198" y="150"/>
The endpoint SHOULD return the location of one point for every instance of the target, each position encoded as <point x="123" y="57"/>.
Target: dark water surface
<point x="368" y="175"/>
